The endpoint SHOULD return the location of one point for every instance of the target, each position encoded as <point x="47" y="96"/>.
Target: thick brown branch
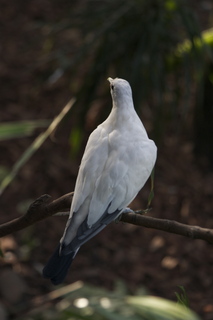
<point x="40" y="209"/>
<point x="43" y="208"/>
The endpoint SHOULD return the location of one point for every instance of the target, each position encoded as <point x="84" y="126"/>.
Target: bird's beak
<point x="110" y="79"/>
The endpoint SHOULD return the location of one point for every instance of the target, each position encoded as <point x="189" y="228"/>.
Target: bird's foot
<point x="128" y="210"/>
<point x="143" y="212"/>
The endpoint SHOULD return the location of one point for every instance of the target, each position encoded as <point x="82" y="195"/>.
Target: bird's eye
<point x="112" y="87"/>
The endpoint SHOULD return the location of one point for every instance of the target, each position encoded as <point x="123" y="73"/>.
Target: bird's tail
<point x="58" y="265"/>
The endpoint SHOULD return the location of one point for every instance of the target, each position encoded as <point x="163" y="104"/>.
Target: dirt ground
<point x="139" y="257"/>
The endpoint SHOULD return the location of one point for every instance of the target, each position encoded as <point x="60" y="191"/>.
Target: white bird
<point x="117" y="161"/>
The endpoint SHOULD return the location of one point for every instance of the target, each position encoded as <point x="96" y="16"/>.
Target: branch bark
<point x="43" y="208"/>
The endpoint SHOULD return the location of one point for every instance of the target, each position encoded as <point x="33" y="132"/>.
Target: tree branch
<point x="40" y="209"/>
<point x="43" y="208"/>
<point x="171" y="226"/>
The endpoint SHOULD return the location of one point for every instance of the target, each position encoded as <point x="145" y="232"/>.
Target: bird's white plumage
<point x="117" y="161"/>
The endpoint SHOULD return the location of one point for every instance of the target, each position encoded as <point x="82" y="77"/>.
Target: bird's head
<point x="120" y="90"/>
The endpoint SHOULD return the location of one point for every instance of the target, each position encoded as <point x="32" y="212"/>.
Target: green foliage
<point x="156" y="45"/>
<point x="135" y="42"/>
<point x="13" y="130"/>
<point x="158" y="308"/>
<point x="88" y="303"/>
<point x="182" y="297"/>
<point x="138" y="40"/>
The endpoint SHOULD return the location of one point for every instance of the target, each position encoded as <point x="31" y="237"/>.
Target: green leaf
<point x="14" y="130"/>
<point x="182" y="298"/>
<point x="156" y="308"/>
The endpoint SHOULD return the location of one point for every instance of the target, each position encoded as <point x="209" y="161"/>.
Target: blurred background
<point x="52" y="51"/>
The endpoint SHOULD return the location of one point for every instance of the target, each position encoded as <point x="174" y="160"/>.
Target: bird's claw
<point x="143" y="212"/>
<point x="128" y="210"/>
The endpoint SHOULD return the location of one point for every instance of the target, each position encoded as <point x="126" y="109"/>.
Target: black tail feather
<point x="58" y="265"/>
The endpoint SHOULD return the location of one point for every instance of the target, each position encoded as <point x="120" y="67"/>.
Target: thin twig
<point x="36" y="144"/>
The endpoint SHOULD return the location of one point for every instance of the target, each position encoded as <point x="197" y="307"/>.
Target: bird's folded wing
<point x="114" y="189"/>
<point x="91" y="167"/>
<point x="109" y="179"/>
<point x="125" y="172"/>
<point x="94" y="196"/>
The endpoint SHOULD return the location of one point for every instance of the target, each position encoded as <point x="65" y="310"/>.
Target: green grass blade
<point x="182" y="297"/>
<point x="35" y="146"/>
<point x="11" y="130"/>
<point x="156" y="308"/>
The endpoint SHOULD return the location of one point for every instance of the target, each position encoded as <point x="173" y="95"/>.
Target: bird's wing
<point x="109" y="178"/>
<point x="91" y="167"/>
<point x="126" y="171"/>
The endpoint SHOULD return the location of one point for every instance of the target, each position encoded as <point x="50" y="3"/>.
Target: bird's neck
<point x="122" y="113"/>
<point x="123" y="103"/>
<point x="124" y="117"/>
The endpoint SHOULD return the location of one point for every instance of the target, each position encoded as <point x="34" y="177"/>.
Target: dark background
<point x="31" y="51"/>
